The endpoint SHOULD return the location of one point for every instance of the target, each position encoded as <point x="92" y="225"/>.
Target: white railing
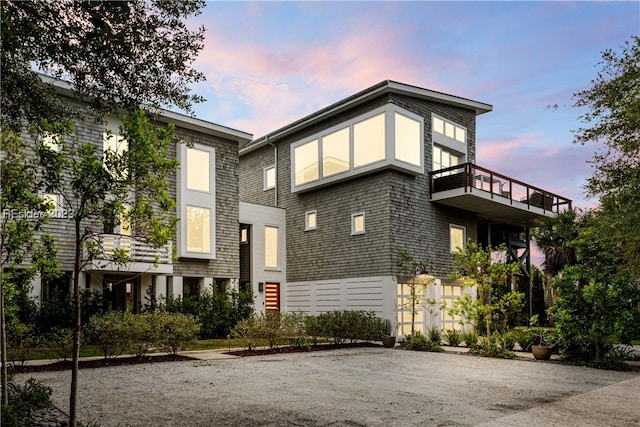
<point x="137" y="250"/>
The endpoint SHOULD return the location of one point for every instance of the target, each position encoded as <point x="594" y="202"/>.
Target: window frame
<point x="354" y="231"/>
<point x="265" y="178"/>
<point x="204" y="250"/>
<point x="277" y="248"/>
<point x="452" y="227"/>
<point x="389" y="161"/>
<point x="307" y="222"/>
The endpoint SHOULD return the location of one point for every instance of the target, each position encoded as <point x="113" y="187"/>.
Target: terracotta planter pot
<point x="389" y="342"/>
<point x="541" y="352"/>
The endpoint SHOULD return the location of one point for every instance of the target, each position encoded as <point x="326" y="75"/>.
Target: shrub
<point x="60" y="340"/>
<point x="454" y="337"/>
<point x="109" y="332"/>
<point x="418" y="342"/>
<point x="140" y="330"/>
<point x="247" y="330"/>
<point x="22" y="341"/>
<point x="294" y="329"/>
<point x="435" y="335"/>
<point x="492" y="347"/>
<point x="470" y="338"/>
<point x="22" y="401"/>
<point x="313" y="328"/>
<point x="525" y="339"/>
<point x="174" y="331"/>
<point x="508" y="340"/>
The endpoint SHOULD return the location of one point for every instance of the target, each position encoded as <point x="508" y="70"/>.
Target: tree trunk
<point x="3" y="345"/>
<point x="73" y="395"/>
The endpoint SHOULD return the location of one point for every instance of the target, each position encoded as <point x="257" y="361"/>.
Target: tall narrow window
<point x="357" y="223"/>
<point x="269" y="177"/>
<point x="457" y="236"/>
<point x="113" y="147"/>
<point x="197" y="170"/>
<point x="369" y="141"/>
<point x="270" y="247"/>
<point x="335" y="152"/>
<point x="310" y="220"/>
<point x="198" y="229"/>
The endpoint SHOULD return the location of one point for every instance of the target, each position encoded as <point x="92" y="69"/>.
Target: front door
<point x="272" y="296"/>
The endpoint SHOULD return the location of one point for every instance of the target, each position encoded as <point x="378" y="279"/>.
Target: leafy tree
<point x="115" y="54"/>
<point x="487" y="270"/>
<point x="412" y="273"/>
<point x="97" y="187"/>
<point x="612" y="121"/>
<point x="23" y="214"/>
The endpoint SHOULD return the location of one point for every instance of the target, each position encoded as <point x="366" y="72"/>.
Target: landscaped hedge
<point x="300" y="330"/>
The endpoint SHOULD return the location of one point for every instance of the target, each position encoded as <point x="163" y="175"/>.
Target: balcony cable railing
<point x="471" y="178"/>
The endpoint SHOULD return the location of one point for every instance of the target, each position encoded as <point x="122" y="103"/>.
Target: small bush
<point x="418" y="342"/>
<point x="295" y="329"/>
<point x="22" y="401"/>
<point x="453" y="336"/>
<point x="491" y="347"/>
<point x="22" y="341"/>
<point x="524" y="339"/>
<point x="247" y="330"/>
<point x="109" y="332"/>
<point x="174" y="331"/>
<point x="470" y="338"/>
<point x="60" y="340"/>
<point x="313" y="328"/>
<point x="435" y="335"/>
<point x="508" y="340"/>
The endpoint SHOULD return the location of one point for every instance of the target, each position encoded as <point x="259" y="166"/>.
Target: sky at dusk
<point x="271" y="63"/>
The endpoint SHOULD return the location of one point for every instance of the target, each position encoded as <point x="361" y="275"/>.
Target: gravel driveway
<point x="351" y="387"/>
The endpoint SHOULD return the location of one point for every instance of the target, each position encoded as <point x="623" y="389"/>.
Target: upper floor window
<point x="114" y="146"/>
<point x="269" y="177"/>
<point x="198" y="169"/>
<point x="449" y="129"/>
<point x="443" y="158"/>
<point x="388" y="136"/>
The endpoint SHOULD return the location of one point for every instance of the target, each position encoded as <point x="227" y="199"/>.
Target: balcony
<point x="493" y="196"/>
<point x="142" y="257"/>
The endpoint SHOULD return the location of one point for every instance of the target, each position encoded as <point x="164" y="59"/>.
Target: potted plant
<point x="544" y="340"/>
<point x="388" y="333"/>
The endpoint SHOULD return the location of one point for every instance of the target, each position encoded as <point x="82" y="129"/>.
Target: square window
<point x="357" y="223"/>
<point x="269" y="178"/>
<point x="53" y="200"/>
<point x="51" y="141"/>
<point x="457" y="238"/>
<point x="310" y="220"/>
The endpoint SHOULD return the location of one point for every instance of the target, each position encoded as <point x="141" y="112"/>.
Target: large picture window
<point x="388" y="136"/>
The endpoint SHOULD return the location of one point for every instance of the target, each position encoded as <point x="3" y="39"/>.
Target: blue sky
<point x="270" y="63"/>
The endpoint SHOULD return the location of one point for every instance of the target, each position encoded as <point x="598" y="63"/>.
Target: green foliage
<point x="524" y="338"/>
<point x="418" y="342"/>
<point x="22" y="400"/>
<point x="109" y="331"/>
<point x="492" y="347"/>
<point x="454" y="337"/>
<point x="486" y="269"/>
<point x="435" y="335"/>
<point x="22" y="341"/>
<point x="218" y="311"/>
<point x="61" y="341"/>
<point x="174" y="331"/>
<point x="248" y="330"/>
<point x="131" y="54"/>
<point x="470" y="338"/>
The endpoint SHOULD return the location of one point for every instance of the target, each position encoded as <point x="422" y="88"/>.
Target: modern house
<point x="206" y="190"/>
<point x="327" y="201"/>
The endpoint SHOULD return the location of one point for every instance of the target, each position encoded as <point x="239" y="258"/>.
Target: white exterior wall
<point x="258" y="217"/>
<point x="376" y="294"/>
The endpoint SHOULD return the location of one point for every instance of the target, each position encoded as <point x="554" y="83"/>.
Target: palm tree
<point x="553" y="236"/>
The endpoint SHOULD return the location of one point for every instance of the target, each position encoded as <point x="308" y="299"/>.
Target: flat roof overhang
<point x="492" y="207"/>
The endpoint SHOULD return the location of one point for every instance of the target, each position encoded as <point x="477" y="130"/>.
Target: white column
<point x="161" y="288"/>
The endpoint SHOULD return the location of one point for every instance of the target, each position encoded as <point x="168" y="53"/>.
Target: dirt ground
<point x="351" y="387"/>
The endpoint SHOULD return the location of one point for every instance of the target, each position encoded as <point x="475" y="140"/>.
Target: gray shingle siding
<point x="398" y="213"/>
